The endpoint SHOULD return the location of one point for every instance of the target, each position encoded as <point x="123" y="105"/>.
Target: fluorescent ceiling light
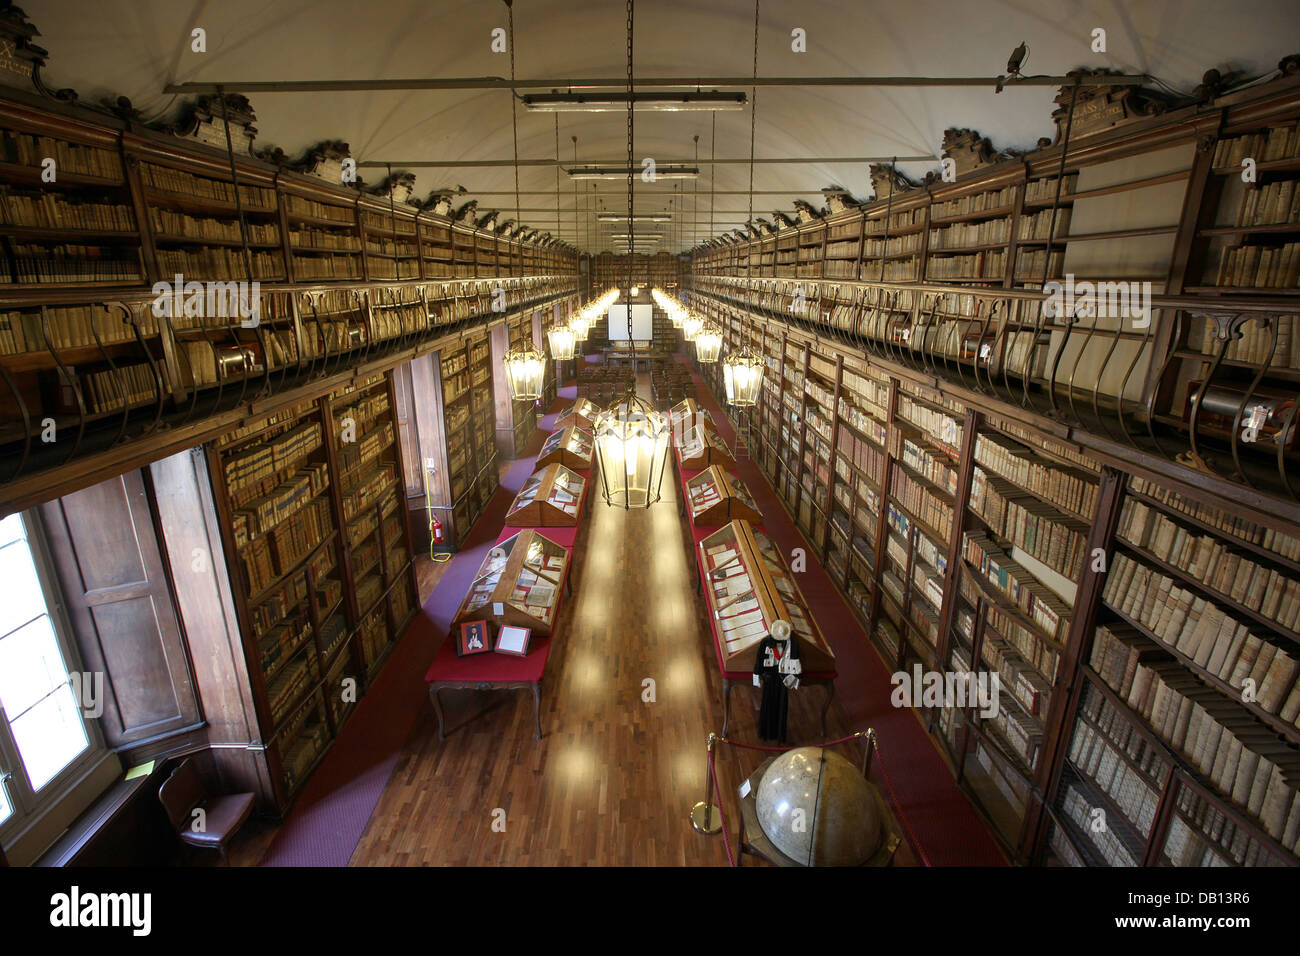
<point x="624" y="217"/>
<point x="621" y="172"/>
<point x="611" y="101"/>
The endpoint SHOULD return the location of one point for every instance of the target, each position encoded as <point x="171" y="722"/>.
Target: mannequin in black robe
<point x="776" y="670"/>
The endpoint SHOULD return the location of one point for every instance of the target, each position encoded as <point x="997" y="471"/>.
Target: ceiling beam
<point x="743" y="161"/>
<point x="580" y="83"/>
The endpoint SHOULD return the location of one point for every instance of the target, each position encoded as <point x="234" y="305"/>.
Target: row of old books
<point x="25" y="149"/>
<point x="32" y="263"/>
<point x="991" y="265"/>
<point x="52" y="210"/>
<point x="1032" y="644"/>
<point x="1277" y="342"/>
<point x="332" y="266"/>
<point x="177" y="181"/>
<point x="1280" y="142"/>
<point x="1072" y="490"/>
<point x="1036" y="528"/>
<point x="266" y="513"/>
<point x="300" y="206"/>
<point x="272" y="454"/>
<point x="894" y="246"/>
<point x="1095" y="757"/>
<point x="1242" y="759"/>
<point x="72" y="326"/>
<point x="1039" y="603"/>
<point x="1078" y="806"/>
<point x="122" y="387"/>
<point x="973" y="202"/>
<point x="221" y="263"/>
<point x="1270" y="203"/>
<point x="1018" y="676"/>
<point x="308" y="237"/>
<point x="934" y="466"/>
<point x="290" y="682"/>
<point x="982" y="233"/>
<point x="1201" y="631"/>
<point x="1210" y="560"/>
<point x="1263" y="267"/>
<point x="1044" y="190"/>
<point x="166" y="222"/>
<point x="920" y="501"/>
<point x="1285" y="545"/>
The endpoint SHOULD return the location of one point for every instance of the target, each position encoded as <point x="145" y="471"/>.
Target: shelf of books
<point x="272" y="482"/>
<point x="391" y="239"/>
<point x="371" y="492"/>
<point x="518" y="584"/>
<point x="468" y="445"/>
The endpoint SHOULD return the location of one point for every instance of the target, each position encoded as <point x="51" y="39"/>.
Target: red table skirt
<point x="490" y="667"/>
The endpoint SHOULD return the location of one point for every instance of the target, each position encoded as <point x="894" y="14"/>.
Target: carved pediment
<point x="781" y="221"/>
<point x="274" y="155"/>
<point x="20" y="59"/>
<point x="969" y="150"/>
<point x="490" y="221"/>
<point x="805" y="211"/>
<point x="325" y="160"/>
<point x="209" y="115"/>
<point x="466" y="213"/>
<point x="438" y="203"/>
<point x="761" y="227"/>
<point x="1098" y="108"/>
<point x="838" y="200"/>
<point x="887" y="180"/>
<point x="399" y="187"/>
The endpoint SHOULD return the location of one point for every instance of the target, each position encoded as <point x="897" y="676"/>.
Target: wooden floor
<point x="614" y="777"/>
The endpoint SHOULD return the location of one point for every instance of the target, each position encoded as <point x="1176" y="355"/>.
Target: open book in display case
<point x="571" y="447"/>
<point x="748" y="588"/>
<point x="551" y="498"/>
<point x="718" y="496"/>
<point x="518" y="584"/>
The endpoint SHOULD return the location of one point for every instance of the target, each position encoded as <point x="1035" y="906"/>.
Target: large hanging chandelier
<point x="632" y="446"/>
<point x="708" y="344"/>
<point x="742" y="374"/>
<point x="561" y="339"/>
<point x="524" y="373"/>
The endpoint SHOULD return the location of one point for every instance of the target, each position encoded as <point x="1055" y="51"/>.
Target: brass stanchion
<point x="706" y="817"/>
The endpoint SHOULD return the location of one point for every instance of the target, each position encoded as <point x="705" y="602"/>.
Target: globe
<point x="817" y="808"/>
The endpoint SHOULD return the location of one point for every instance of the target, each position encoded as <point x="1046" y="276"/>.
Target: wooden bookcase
<point x="308" y="503"/>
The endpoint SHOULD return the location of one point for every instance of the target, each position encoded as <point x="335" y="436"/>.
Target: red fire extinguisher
<point x="435" y="528"/>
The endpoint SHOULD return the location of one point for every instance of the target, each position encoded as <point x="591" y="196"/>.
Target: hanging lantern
<point x="524" y="373"/>
<point x="562" y="341"/>
<point x="708" y="344"/>
<point x="676" y="315"/>
<point x="742" y="374"/>
<point x="579" y="323"/>
<point x="635" y="291"/>
<point x="632" y="445"/>
<point x="692" y="322"/>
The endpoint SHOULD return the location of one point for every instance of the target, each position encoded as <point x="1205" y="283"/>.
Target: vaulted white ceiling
<point x="135" y="47"/>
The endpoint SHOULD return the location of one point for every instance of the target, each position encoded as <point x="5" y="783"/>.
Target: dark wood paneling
<point x="120" y="604"/>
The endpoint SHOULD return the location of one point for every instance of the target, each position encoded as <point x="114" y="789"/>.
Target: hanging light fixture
<point x="742" y="374"/>
<point x="636" y="290"/>
<point x="692" y="322"/>
<point x="708" y="344"/>
<point x="579" y="324"/>
<point x="562" y="341"/>
<point x="524" y="364"/>
<point x="632" y="447"/>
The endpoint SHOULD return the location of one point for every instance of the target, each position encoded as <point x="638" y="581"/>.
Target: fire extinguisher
<point x="435" y="528"/>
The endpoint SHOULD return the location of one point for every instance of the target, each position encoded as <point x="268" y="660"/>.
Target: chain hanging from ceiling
<point x="631" y="225"/>
<point x="753" y="119"/>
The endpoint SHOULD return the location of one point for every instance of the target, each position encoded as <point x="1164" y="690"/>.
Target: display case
<point x="701" y="447"/>
<point x="551" y="498"/>
<point x="570" y="446"/>
<point x="686" y="413"/>
<point x="581" y="414"/>
<point x="717" y="496"/>
<point x="748" y="588"/>
<point x="518" y="583"/>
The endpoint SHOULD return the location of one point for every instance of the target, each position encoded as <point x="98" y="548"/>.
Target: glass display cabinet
<point x="748" y="588"/>
<point x="685" y="415"/>
<point x="717" y="496"/>
<point x="518" y="583"/>
<point x="581" y="413"/>
<point x="701" y="447"/>
<point x="569" y="446"/>
<point x="550" y="498"/>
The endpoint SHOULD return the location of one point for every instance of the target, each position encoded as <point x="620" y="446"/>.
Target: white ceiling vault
<point x="134" y="48"/>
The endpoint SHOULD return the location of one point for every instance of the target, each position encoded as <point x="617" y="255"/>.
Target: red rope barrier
<point x="781" y="750"/>
<point x="717" y="792"/>
<point x="916" y="844"/>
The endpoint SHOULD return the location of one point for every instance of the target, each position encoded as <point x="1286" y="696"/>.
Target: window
<point x="46" y="741"/>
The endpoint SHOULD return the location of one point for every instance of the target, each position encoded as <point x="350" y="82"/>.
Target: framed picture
<point x="513" y="640"/>
<point x="474" y="639"/>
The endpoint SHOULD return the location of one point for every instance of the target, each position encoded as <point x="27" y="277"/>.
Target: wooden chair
<point x="183" y="792"/>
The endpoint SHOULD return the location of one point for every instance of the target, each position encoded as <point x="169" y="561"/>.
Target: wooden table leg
<point x="437" y="709"/>
<point x="537" y="708"/>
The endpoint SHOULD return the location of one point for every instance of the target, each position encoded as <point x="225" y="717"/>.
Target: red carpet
<point x="330" y="815"/>
<point x="941" y="818"/>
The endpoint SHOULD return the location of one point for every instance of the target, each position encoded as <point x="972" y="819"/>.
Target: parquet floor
<point x="614" y="777"/>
